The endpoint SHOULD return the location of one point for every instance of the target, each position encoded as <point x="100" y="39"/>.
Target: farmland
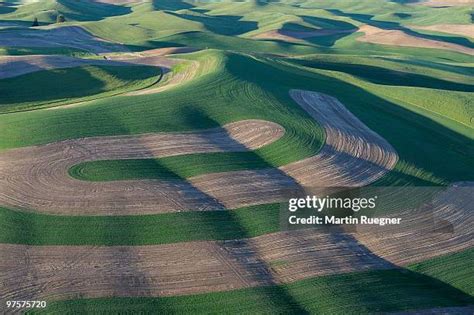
<point x="147" y="149"/>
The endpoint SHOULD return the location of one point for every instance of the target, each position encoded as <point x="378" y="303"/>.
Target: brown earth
<point x="37" y="178"/>
<point x="119" y="2"/>
<point x="466" y="30"/>
<point x="11" y="66"/>
<point x="353" y="155"/>
<point x="68" y="272"/>
<point x="457" y="310"/>
<point x="65" y="36"/>
<point x="442" y="226"/>
<point x="377" y="35"/>
<point x="152" y="52"/>
<point x="171" y="80"/>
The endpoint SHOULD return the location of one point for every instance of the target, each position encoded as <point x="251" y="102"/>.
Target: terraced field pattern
<point x="148" y="149"/>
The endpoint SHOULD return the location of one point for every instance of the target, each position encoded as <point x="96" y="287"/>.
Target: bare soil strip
<point x="67" y="272"/>
<point x="37" y="178"/>
<point x="377" y="35"/>
<point x="466" y="30"/>
<point x="352" y="156"/>
<point x="151" y="52"/>
<point x="297" y="36"/>
<point x="459" y="310"/>
<point x="442" y="227"/>
<point x="11" y="66"/>
<point x="65" y="36"/>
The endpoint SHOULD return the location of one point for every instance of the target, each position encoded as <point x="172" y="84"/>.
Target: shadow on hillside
<point x="229" y="25"/>
<point x="242" y="254"/>
<point x="388" y="119"/>
<point x="253" y="269"/>
<point x="379" y="75"/>
<point x="325" y="38"/>
<point x="455" y="68"/>
<point x="369" y="289"/>
<point x="328" y="40"/>
<point x="368" y="19"/>
<point x="172" y="5"/>
<point x="296" y="31"/>
<point x="218" y="24"/>
<point x="90" y="10"/>
<point x="404" y="1"/>
<point x="262" y="3"/>
<point x="324" y="23"/>
<point x="48" y="86"/>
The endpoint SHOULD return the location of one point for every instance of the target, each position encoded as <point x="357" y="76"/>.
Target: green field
<point x="22" y="51"/>
<point x="419" y="94"/>
<point x="241" y="97"/>
<point x="385" y="108"/>
<point x="176" y="167"/>
<point x="367" y="292"/>
<point x="39" y="229"/>
<point x="453" y="269"/>
<point x="64" y="86"/>
<point x="421" y="100"/>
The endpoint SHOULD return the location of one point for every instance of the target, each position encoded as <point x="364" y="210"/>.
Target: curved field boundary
<point x="441" y="227"/>
<point x="377" y="35"/>
<point x="458" y="264"/>
<point x="64" y="36"/>
<point x="36" y="177"/>
<point x="297" y="36"/>
<point x="466" y="30"/>
<point x="353" y="155"/>
<point x="370" y="292"/>
<point x="175" y="79"/>
<point x="62" y="272"/>
<point x="460" y="310"/>
<point x="11" y="66"/>
<point x="152" y="52"/>
<point x="165" y="81"/>
<point x="446" y="3"/>
<point x="118" y="2"/>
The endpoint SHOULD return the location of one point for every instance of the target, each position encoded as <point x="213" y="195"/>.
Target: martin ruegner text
<point x="344" y="220"/>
